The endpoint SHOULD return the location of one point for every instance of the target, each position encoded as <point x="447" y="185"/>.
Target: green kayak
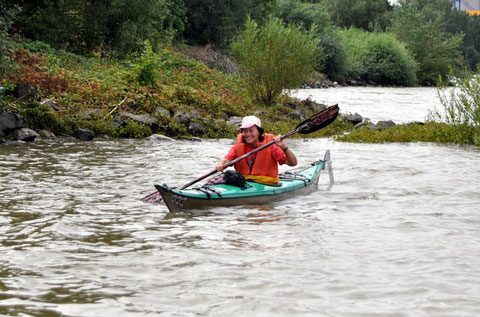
<point x="292" y="183"/>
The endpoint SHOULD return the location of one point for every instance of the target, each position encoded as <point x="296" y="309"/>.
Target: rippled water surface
<point x="397" y="235"/>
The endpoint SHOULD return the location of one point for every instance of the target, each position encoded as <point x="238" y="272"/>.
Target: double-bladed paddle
<point x="312" y="124"/>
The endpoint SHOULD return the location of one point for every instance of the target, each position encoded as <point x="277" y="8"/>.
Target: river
<point x="397" y="235"/>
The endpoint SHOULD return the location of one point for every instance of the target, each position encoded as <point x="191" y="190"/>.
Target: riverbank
<point x="51" y="93"/>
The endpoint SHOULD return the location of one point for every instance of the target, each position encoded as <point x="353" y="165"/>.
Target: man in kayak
<point x="261" y="167"/>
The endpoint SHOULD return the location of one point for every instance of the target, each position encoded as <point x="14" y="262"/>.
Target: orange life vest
<point x="264" y="168"/>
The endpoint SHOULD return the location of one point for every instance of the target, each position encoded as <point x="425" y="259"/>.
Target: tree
<point x="218" y="21"/>
<point x="274" y="57"/>
<point x="364" y="14"/>
<point x="117" y="26"/>
<point x="7" y="16"/>
<point x="434" y="50"/>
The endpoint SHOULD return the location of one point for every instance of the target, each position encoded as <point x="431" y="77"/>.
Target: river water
<point x="397" y="235"/>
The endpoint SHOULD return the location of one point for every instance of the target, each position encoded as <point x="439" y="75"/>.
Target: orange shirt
<point x="278" y="155"/>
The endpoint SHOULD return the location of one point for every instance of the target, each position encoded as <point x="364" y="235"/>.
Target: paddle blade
<point x="319" y="120"/>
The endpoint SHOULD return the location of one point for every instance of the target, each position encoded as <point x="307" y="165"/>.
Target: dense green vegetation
<point x="260" y="50"/>
<point x="91" y="60"/>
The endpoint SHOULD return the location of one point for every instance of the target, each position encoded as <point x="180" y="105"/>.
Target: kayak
<point x="300" y="181"/>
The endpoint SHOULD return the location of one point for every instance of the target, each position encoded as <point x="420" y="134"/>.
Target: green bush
<point x="461" y="109"/>
<point x="42" y="117"/>
<point x="274" y="57"/>
<point x="378" y="57"/>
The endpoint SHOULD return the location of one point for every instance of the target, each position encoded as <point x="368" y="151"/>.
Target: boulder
<point x="235" y="121"/>
<point x="10" y="121"/>
<point x="353" y="118"/>
<point x="299" y="114"/>
<point x="160" y="137"/>
<point x="83" y="135"/>
<point x="25" y="92"/>
<point x="162" y="112"/>
<point x="385" y="124"/>
<point x="195" y="139"/>
<point x="47" y="134"/>
<point x="197" y="128"/>
<point x="181" y="117"/>
<point x="26" y="135"/>
<point x="2" y="141"/>
<point x="139" y="118"/>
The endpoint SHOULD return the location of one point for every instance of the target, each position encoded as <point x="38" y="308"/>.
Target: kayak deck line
<point x="294" y="182"/>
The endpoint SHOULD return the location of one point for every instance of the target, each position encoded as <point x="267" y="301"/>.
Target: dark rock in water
<point x="195" y="139"/>
<point x="197" y="128"/>
<point x="160" y="137"/>
<point x="2" y="134"/>
<point x="353" y="118"/>
<point x="26" y="135"/>
<point x="10" y="121"/>
<point x="25" y="92"/>
<point x="385" y="124"/>
<point x="83" y="135"/>
<point x="2" y="141"/>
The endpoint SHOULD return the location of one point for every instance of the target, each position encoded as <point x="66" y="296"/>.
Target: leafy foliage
<point x="434" y="50"/>
<point x="117" y="26"/>
<point x="461" y="109"/>
<point x="412" y="132"/>
<point x="7" y="17"/>
<point x="274" y="57"/>
<point x="216" y="22"/>
<point x="378" y="57"/>
<point x="364" y="14"/>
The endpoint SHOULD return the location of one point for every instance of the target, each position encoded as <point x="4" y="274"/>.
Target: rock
<point x="140" y="118"/>
<point x="2" y="141"/>
<point x="197" y="128"/>
<point x="299" y="114"/>
<point x="10" y="121"/>
<point x="47" y="134"/>
<point x="91" y="114"/>
<point x="181" y="117"/>
<point x="360" y="125"/>
<point x="2" y="134"/>
<point x="83" y="135"/>
<point x="52" y="105"/>
<point x="160" y="137"/>
<point x="25" y="92"/>
<point x="353" y="118"/>
<point x="26" y="135"/>
<point x="385" y="124"/>
<point x="193" y="115"/>
<point x="162" y="112"/>
<point x="195" y="139"/>
<point x="235" y="121"/>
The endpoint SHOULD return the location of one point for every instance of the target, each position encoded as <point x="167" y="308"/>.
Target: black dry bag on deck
<point x="234" y="178"/>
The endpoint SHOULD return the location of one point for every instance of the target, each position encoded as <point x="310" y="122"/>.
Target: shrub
<point x="461" y="109"/>
<point x="274" y="57"/>
<point x="378" y="57"/>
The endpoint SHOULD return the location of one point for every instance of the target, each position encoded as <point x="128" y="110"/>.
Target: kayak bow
<point x="292" y="183"/>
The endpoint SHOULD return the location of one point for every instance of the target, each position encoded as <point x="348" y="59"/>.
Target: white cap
<point x="250" y="121"/>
